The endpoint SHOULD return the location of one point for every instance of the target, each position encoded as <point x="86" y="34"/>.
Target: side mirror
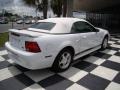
<point x="97" y="30"/>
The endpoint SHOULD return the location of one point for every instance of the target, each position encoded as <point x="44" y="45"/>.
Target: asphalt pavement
<point x="6" y="27"/>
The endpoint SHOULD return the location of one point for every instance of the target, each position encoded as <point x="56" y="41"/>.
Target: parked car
<point x="28" y="22"/>
<point x="33" y="21"/>
<point x="20" y="22"/>
<point x="55" y="42"/>
<point x="3" y="21"/>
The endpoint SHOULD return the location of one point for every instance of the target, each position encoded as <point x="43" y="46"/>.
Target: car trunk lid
<point x="17" y="38"/>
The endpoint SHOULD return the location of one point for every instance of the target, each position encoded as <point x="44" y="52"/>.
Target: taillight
<point x="32" y="47"/>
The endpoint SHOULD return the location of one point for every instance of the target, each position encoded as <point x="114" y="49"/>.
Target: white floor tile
<point x="4" y="52"/>
<point x="115" y="45"/>
<point x="10" y="61"/>
<point x="114" y="59"/>
<point x="76" y="87"/>
<point x="95" y="60"/>
<point x="73" y="74"/>
<point x="1" y="59"/>
<point x="38" y="75"/>
<point x="104" y="72"/>
<point x="107" y="51"/>
<point x="111" y="42"/>
<point x="34" y="87"/>
<point x="115" y="38"/>
<point x="8" y="72"/>
<point x="113" y="86"/>
<point x="119" y="41"/>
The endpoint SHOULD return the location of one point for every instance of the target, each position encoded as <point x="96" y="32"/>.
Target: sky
<point x="18" y="6"/>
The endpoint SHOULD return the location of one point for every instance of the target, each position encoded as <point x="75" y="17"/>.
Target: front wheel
<point x="62" y="61"/>
<point x="104" y="43"/>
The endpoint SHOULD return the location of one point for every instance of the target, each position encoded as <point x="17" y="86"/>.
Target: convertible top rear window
<point x="43" y="25"/>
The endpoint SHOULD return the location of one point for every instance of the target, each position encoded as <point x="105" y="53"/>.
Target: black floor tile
<point x="12" y="84"/>
<point x="55" y="82"/>
<point x="113" y="40"/>
<point x="102" y="55"/>
<point x="117" y="54"/>
<point x="112" y="65"/>
<point x="117" y="43"/>
<point x="93" y="82"/>
<point x="113" y="48"/>
<point x="4" y="64"/>
<point x="117" y="78"/>
<point x="117" y="36"/>
<point x="83" y="65"/>
<point x="24" y="79"/>
<point x="6" y="57"/>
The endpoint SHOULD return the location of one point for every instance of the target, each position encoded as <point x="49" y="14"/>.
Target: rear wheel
<point x="105" y="43"/>
<point x="62" y="61"/>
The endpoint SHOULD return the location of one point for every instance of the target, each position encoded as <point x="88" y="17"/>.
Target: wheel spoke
<point x="68" y="55"/>
<point x="65" y="60"/>
<point x="63" y="56"/>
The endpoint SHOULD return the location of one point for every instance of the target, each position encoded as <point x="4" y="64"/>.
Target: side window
<point x="81" y="27"/>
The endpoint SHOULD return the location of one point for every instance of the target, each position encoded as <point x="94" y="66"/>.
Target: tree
<point x="69" y="8"/>
<point x="56" y="6"/>
<point x="40" y="5"/>
<point x="59" y="7"/>
<point x="64" y="8"/>
<point x="45" y="8"/>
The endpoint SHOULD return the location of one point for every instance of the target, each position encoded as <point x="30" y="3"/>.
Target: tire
<point x="104" y="43"/>
<point x="62" y="61"/>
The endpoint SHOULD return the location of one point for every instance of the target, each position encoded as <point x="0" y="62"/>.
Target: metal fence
<point x="111" y="22"/>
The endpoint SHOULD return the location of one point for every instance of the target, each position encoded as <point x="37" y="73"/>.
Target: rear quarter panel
<point x="53" y="44"/>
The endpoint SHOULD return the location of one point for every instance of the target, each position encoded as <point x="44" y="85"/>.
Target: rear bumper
<point x="27" y="59"/>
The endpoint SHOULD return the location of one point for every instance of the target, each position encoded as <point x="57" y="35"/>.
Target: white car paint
<point x="52" y="42"/>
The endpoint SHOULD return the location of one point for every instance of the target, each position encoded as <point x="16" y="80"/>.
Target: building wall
<point x="93" y="5"/>
<point x="108" y="18"/>
<point x="101" y="13"/>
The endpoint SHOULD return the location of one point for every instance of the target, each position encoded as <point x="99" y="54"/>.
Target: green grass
<point x="3" y="38"/>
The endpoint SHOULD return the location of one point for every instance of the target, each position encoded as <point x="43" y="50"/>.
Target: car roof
<point x="63" y="25"/>
<point x="62" y="20"/>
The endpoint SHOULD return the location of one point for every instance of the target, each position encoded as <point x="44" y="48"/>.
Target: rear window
<point x="43" y="25"/>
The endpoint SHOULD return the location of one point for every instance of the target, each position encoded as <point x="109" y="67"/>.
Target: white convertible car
<point x="55" y="42"/>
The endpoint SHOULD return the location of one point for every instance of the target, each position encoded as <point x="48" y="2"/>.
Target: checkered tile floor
<point x="97" y="71"/>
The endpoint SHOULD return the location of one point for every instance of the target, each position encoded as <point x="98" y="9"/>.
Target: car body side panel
<point x="55" y="43"/>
